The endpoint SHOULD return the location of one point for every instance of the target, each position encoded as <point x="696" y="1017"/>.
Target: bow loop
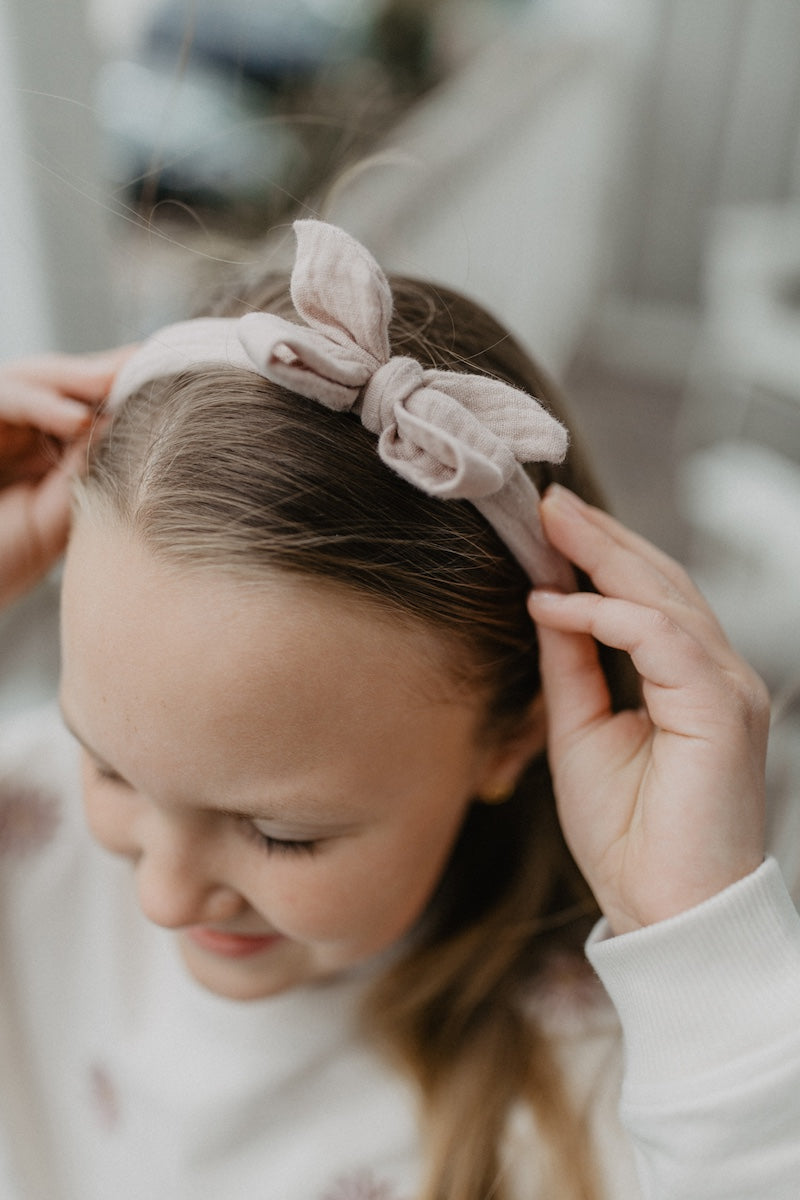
<point x="304" y="360"/>
<point x="339" y="289"/>
<point x="450" y="434"/>
<point x="438" y="461"/>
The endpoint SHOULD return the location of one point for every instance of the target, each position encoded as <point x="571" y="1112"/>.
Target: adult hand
<point x="47" y="407"/>
<point x="662" y="807"/>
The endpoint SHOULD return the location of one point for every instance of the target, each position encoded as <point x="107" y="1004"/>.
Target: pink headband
<point x="452" y="435"/>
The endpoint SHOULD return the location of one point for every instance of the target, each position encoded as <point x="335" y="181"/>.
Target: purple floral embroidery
<point x="567" y="998"/>
<point x="360" y="1185"/>
<point x="28" y="820"/>
<point x="103" y="1096"/>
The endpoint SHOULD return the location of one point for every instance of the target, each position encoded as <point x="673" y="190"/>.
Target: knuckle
<point x="663" y="625"/>
<point x="760" y="702"/>
<point x="752" y="700"/>
<point x="678" y="584"/>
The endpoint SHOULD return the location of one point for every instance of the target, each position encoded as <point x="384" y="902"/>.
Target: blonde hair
<point x="219" y="468"/>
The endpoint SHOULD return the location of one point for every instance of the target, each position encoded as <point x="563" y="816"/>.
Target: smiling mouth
<point x="231" y="945"/>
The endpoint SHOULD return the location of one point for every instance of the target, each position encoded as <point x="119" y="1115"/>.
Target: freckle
<point x="568" y="997"/>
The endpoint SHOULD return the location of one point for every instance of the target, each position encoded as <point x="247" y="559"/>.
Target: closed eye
<point x="278" y="846"/>
<point x="271" y="844"/>
<point x="274" y="845"/>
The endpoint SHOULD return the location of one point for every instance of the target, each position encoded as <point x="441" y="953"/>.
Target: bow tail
<point x="514" y="513"/>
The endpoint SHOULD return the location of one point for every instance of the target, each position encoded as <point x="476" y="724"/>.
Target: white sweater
<point x="121" y="1079"/>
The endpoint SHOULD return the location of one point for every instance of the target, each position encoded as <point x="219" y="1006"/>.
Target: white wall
<point x="55" y="288"/>
<point x="719" y="124"/>
<point x="502" y="184"/>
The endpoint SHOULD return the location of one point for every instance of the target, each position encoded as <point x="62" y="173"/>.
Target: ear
<point x="508" y="759"/>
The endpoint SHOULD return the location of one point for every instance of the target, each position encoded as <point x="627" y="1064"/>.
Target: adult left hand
<point x="662" y="807"/>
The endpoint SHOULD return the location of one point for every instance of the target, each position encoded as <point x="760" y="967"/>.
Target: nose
<point x="175" y="902"/>
<point x="176" y="888"/>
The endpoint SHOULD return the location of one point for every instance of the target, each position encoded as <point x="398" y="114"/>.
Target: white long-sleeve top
<point x="121" y="1077"/>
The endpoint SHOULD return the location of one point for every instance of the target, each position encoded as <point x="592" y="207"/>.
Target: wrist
<point x="665" y="980"/>
<point x="667" y="899"/>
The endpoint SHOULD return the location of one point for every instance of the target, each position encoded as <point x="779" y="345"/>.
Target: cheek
<point x="365" y="896"/>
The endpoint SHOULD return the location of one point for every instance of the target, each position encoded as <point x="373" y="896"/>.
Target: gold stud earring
<point x="496" y="795"/>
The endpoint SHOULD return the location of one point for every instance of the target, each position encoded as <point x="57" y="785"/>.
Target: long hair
<point x="217" y="467"/>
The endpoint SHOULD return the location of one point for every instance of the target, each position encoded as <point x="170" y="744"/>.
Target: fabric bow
<point x="453" y="435"/>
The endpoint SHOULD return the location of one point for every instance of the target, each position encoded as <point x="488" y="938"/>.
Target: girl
<point x="315" y="720"/>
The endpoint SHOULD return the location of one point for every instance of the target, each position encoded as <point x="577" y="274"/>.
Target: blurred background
<point x="619" y="180"/>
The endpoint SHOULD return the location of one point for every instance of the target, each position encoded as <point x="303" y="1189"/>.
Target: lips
<point x="231" y="945"/>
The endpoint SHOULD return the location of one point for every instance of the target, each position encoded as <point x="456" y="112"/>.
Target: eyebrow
<point x="253" y="813"/>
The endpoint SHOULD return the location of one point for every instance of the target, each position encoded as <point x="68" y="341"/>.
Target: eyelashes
<point x="277" y="846"/>
<point x="274" y="845"/>
<point x="270" y="845"/>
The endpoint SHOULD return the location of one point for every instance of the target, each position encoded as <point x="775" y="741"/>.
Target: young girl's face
<point x="285" y="768"/>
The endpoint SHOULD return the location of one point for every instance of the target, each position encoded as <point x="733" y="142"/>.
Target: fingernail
<point x="545" y="596"/>
<point x="81" y="412"/>
<point x="558" y="494"/>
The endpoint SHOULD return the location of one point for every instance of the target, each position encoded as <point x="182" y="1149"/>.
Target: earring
<point x="496" y="795"/>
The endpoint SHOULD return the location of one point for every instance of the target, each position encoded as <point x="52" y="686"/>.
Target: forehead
<point x="208" y="669"/>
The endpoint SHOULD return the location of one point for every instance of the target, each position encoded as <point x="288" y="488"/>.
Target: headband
<point x="454" y="436"/>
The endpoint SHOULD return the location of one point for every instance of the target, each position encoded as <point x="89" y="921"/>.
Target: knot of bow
<point x="452" y="435"/>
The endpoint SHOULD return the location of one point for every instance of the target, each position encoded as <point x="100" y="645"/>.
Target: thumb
<point x="37" y="521"/>
<point x="51" y="505"/>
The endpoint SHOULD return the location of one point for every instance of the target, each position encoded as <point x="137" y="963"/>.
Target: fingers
<point x="57" y="393"/>
<point x="34" y="408"/>
<point x="602" y="546"/>
<point x="661" y="651"/>
<point x="50" y="512"/>
<point x="648" y="608"/>
<point x="34" y="525"/>
<point x="686" y="689"/>
<point x="85" y="377"/>
<point x="622" y="564"/>
<point x="574" y="686"/>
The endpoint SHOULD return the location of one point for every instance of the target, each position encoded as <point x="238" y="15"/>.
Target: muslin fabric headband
<point x="453" y="435"/>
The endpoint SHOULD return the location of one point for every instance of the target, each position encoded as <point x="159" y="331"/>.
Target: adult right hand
<point x="47" y="408"/>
